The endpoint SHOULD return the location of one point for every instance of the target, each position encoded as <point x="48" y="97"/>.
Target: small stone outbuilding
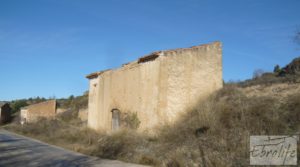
<point x="5" y="113"/>
<point x="32" y="112"/>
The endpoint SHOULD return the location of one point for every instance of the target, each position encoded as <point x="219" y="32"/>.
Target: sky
<point x="47" y="47"/>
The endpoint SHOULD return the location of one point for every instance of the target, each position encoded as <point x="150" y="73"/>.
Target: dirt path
<point x="19" y="151"/>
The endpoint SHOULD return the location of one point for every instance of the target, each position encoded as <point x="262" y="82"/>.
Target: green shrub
<point x="131" y="120"/>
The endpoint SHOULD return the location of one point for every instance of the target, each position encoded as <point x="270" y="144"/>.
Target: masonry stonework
<point x="32" y="112"/>
<point x="156" y="87"/>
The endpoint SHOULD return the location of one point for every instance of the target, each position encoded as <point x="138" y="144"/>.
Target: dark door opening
<point x="115" y="119"/>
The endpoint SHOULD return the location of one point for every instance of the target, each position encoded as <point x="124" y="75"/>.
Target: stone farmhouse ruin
<point x="5" y="113"/>
<point x="32" y="113"/>
<point x="156" y="87"/>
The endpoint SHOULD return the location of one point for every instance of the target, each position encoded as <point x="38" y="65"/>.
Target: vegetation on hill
<point x="288" y="74"/>
<point x="214" y="133"/>
<point x="16" y="105"/>
<point x="72" y="104"/>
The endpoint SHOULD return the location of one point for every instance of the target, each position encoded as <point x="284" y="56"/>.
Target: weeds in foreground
<point x="214" y="133"/>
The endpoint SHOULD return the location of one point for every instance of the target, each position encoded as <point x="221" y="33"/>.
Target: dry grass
<point x="213" y="133"/>
<point x="71" y="135"/>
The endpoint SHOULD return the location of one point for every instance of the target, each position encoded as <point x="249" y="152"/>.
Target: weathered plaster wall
<point x="156" y="90"/>
<point x="45" y="109"/>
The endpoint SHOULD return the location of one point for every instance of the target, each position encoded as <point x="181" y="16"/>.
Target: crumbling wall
<point x="157" y="87"/>
<point x="5" y="113"/>
<point x="45" y="109"/>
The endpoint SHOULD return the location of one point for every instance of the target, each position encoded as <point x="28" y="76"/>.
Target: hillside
<point x="72" y="103"/>
<point x="215" y="132"/>
<point x="288" y="74"/>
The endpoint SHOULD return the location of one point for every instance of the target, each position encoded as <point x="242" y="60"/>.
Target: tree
<point x="71" y="97"/>
<point x="276" y="69"/>
<point x="282" y="72"/>
<point x="17" y="105"/>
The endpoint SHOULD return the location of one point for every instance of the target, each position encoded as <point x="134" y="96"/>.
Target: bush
<point x="230" y="117"/>
<point x="126" y="145"/>
<point x="131" y="120"/>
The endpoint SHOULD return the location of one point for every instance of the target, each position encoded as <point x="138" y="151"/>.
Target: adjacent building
<point x="156" y="87"/>
<point x="5" y="112"/>
<point x="32" y="112"/>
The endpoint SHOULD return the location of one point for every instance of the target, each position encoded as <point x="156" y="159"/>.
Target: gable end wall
<point x="156" y="90"/>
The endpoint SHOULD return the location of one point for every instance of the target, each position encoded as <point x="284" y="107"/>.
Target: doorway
<point x="115" y="119"/>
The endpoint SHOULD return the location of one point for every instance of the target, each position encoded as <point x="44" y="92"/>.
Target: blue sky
<point x="47" y="47"/>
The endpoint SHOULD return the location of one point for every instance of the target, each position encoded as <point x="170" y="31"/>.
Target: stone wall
<point x="157" y="87"/>
<point x="5" y="113"/>
<point x="45" y="109"/>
